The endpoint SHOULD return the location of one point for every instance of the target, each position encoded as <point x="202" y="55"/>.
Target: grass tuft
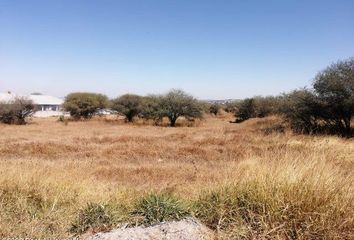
<point x="95" y="216"/>
<point x="156" y="207"/>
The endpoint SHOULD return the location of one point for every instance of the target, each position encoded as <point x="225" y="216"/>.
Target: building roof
<point x="37" y="99"/>
<point x="45" y="100"/>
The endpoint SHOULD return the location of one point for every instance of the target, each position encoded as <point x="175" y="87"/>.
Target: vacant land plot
<point x="235" y="178"/>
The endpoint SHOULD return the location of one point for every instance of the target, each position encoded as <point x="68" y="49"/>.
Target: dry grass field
<point x="238" y="180"/>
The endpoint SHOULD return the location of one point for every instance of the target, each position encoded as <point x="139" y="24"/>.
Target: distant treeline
<point x="326" y="107"/>
<point x="172" y="105"/>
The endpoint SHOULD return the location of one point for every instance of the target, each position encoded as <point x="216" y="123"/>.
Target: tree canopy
<point x="329" y="106"/>
<point x="130" y="105"/>
<point x="85" y="105"/>
<point x="176" y="103"/>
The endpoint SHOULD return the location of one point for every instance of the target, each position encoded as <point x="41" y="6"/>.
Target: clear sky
<point x="213" y="49"/>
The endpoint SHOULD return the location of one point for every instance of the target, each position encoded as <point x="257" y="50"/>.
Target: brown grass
<point x="49" y="170"/>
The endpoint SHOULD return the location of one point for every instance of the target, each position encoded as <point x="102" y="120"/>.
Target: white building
<point x="45" y="106"/>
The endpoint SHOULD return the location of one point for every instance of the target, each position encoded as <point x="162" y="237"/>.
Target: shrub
<point x="129" y="105"/>
<point x="302" y="110"/>
<point x="265" y="106"/>
<point x="246" y="110"/>
<point x="334" y="86"/>
<point x="214" y="108"/>
<point x="16" y="111"/>
<point x="257" y="107"/>
<point x="94" y="216"/>
<point x="232" y="106"/>
<point x="329" y="107"/>
<point x="62" y="119"/>
<point x="85" y="105"/>
<point x="155" y="208"/>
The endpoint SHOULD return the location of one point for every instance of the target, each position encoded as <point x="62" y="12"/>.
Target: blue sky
<point x="213" y="49"/>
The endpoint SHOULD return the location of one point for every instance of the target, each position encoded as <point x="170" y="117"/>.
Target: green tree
<point x="130" y="105"/>
<point x="329" y="107"/>
<point x="334" y="87"/>
<point x="85" y="105"/>
<point x="176" y="103"/>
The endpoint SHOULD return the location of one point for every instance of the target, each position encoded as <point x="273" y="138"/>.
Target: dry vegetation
<point x="239" y="181"/>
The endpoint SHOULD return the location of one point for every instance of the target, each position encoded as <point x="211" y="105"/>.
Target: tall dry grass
<point x="238" y="180"/>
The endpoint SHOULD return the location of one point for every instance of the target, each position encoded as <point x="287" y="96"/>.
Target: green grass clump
<point x="155" y="208"/>
<point x="95" y="216"/>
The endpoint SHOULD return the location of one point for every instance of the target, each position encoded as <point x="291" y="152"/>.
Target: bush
<point x="334" y="87"/>
<point x="232" y="106"/>
<point x="62" y="119"/>
<point x="266" y="106"/>
<point x="329" y="107"/>
<point x="129" y="105"/>
<point x="302" y="110"/>
<point x="16" y="111"/>
<point x="97" y="217"/>
<point x="214" y="108"/>
<point x="156" y="208"/>
<point x="85" y="105"/>
<point x="246" y="110"/>
<point x="257" y="107"/>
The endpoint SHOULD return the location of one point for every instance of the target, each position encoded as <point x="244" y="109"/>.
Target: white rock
<point x="188" y="229"/>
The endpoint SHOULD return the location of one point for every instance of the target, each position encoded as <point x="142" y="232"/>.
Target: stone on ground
<point x="188" y="229"/>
